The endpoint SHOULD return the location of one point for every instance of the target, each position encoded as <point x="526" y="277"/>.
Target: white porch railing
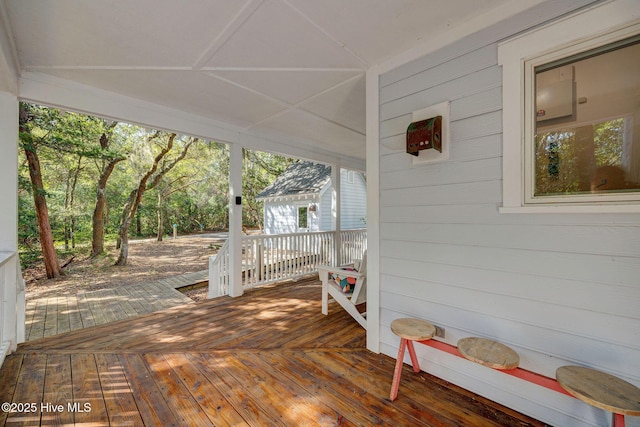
<point x="270" y="258"/>
<point x="354" y="243"/>
<point x="11" y="304"/>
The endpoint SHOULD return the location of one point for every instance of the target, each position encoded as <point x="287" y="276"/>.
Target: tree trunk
<point x="66" y="236"/>
<point x="130" y="208"/>
<point x="51" y="264"/>
<point x="135" y="197"/>
<point x="98" y="219"/>
<point x="139" y="223"/>
<point x="72" y="222"/>
<point x="128" y="212"/>
<point x="160" y="217"/>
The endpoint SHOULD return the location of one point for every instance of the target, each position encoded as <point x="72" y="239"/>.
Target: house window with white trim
<point x="585" y="144"/>
<point x="571" y="115"/>
<point x="303" y="221"/>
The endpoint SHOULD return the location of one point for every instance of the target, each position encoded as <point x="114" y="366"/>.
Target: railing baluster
<point x="270" y="258"/>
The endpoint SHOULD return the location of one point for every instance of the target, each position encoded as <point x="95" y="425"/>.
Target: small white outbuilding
<point x="302" y="199"/>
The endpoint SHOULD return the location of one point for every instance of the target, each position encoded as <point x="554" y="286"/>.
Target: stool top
<point x="413" y="329"/>
<point x="600" y="389"/>
<point x="488" y="353"/>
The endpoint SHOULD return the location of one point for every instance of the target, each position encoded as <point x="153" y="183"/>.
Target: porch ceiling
<point x="290" y="68"/>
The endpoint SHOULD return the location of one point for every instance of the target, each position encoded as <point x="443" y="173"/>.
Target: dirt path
<point x="148" y="261"/>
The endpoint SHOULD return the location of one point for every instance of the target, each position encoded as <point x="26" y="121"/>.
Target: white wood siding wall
<point x="280" y="218"/>
<point x="326" y="211"/>
<point x="559" y="289"/>
<point x="354" y="201"/>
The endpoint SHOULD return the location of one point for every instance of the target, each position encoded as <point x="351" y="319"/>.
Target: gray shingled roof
<point x="299" y="178"/>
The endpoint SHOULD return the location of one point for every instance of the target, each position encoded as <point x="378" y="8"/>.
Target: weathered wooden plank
<point x="210" y="399"/>
<point x="125" y="308"/>
<point x="214" y="367"/>
<point x="426" y="391"/>
<point x="366" y="389"/>
<point x="113" y="334"/>
<point x="29" y="313"/>
<point x="118" y="396"/>
<point x="51" y="317"/>
<point x="62" y="315"/>
<point x="300" y="405"/>
<point x="85" y="310"/>
<point x="208" y="325"/>
<point x="87" y="394"/>
<point x="36" y="329"/>
<point x="439" y="406"/>
<point x="29" y="389"/>
<point x="335" y="391"/>
<point x="348" y="332"/>
<point x="112" y="310"/>
<point x="152" y="295"/>
<point x="98" y="312"/>
<point x="58" y="391"/>
<point x="149" y="400"/>
<point x="75" y="318"/>
<point x="175" y="394"/>
<point x="136" y="301"/>
<point x="8" y="381"/>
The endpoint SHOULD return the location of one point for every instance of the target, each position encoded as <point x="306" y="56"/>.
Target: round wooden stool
<point x="488" y="353"/>
<point x="408" y="330"/>
<point x="601" y="390"/>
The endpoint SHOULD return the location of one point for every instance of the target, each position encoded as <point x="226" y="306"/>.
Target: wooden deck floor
<point x="267" y="358"/>
<point x="46" y="317"/>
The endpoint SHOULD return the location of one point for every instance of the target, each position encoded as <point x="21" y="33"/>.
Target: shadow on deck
<point x="266" y="358"/>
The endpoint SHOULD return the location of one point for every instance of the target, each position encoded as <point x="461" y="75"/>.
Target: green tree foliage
<point x="193" y="193"/>
<point x="566" y="159"/>
<point x="259" y="169"/>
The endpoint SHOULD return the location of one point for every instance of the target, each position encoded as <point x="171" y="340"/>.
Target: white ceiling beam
<point x="248" y="89"/>
<point x="234" y="25"/>
<point x="300" y="106"/>
<point x="364" y="63"/>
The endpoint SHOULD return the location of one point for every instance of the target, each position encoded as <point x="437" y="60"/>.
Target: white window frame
<point x="299" y="216"/>
<point x="518" y="57"/>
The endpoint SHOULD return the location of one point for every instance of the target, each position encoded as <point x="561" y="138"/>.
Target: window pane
<point x="302" y="217"/>
<point x="588" y="122"/>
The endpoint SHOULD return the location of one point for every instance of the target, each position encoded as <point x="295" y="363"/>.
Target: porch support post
<point x="235" y="220"/>
<point x="337" y="239"/>
<point x="373" y="210"/>
<point x="12" y="296"/>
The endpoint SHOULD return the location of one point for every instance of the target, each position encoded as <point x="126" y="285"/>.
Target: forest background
<point x="90" y="182"/>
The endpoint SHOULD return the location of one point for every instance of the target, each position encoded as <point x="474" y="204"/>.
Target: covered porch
<point x="266" y="358"/>
<point x="451" y="242"/>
